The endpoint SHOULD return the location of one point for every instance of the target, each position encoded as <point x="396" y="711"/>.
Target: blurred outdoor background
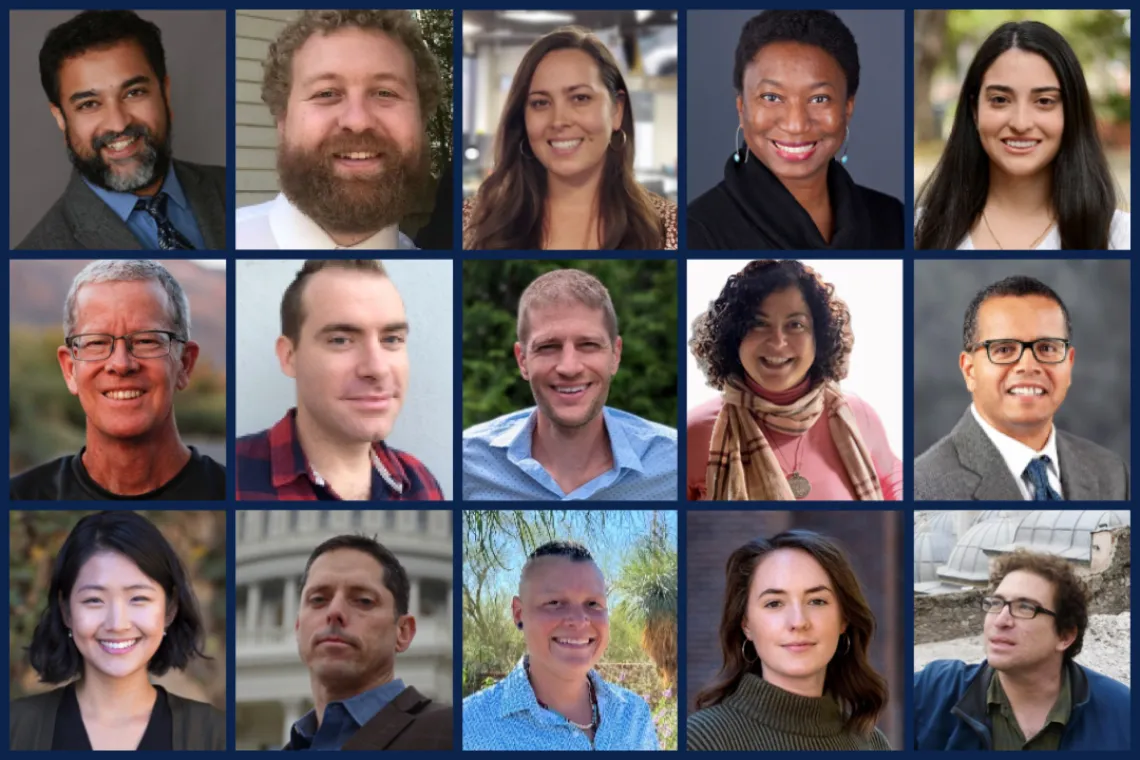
<point x="637" y="553"/>
<point x="945" y="42"/>
<point x="645" y="46"/>
<point x="45" y="420"/>
<point x="199" y="540"/>
<point x="644" y="293"/>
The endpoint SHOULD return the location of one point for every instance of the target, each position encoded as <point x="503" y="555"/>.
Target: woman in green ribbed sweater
<point x="794" y="636"/>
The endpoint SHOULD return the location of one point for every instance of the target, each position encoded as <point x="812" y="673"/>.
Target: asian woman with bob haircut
<point x="794" y="635"/>
<point x="120" y="607"/>
<point x="1023" y="168"/>
<point x="563" y="176"/>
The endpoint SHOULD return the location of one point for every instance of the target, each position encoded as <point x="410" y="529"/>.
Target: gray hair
<point x="131" y="270"/>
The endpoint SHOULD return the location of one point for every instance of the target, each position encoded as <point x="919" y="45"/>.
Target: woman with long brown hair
<point x="794" y="636"/>
<point x="563" y="176"/>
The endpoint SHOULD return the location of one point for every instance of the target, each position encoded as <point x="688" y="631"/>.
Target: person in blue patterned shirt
<point x="553" y="699"/>
<point x="570" y="446"/>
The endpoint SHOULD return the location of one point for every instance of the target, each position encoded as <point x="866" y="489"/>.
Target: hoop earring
<point x="738" y="148"/>
<point x="846" y="638"/>
<point x="744" y="654"/>
<point x="846" y="139"/>
<point x="624" y="140"/>
<point x="529" y="157"/>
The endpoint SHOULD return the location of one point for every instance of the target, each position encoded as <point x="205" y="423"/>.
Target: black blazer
<point x="197" y="725"/>
<point x="80" y="219"/>
<point x="410" y="721"/>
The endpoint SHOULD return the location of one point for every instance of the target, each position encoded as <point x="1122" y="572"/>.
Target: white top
<point x="1119" y="234"/>
<point x="1017" y="456"/>
<point x="279" y="225"/>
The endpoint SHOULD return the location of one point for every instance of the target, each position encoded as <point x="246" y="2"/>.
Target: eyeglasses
<point x="1019" y="608"/>
<point x="144" y="344"/>
<point x="1010" y="350"/>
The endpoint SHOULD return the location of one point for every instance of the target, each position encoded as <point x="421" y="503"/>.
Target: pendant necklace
<point x="800" y="485"/>
<point x="1032" y="245"/>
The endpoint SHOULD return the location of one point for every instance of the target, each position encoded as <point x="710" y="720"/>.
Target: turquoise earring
<point x="738" y="148"/>
<point x="846" y="139"/>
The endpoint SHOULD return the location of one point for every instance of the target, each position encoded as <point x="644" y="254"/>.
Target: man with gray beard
<point x="351" y="92"/>
<point x="104" y="73"/>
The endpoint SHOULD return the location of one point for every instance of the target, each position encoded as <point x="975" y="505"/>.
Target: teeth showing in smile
<point x="119" y="645"/>
<point x="1022" y="391"/>
<point x="565" y="144"/>
<point x="1020" y="143"/>
<point x="574" y="642"/>
<point x="123" y="395"/>
<point x="120" y="144"/>
<point x="775" y="362"/>
<point x="794" y="148"/>
<point x="572" y="389"/>
<point x="357" y="156"/>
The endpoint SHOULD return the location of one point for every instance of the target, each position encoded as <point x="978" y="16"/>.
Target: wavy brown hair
<point x="850" y="679"/>
<point x="510" y="205"/>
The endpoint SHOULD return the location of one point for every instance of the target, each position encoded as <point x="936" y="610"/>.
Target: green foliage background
<point x="439" y="32"/>
<point x="644" y="293"/>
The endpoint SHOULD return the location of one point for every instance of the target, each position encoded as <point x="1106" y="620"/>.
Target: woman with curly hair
<point x="776" y="342"/>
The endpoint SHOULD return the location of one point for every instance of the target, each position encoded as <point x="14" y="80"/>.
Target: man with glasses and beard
<point x="104" y="73"/>
<point x="351" y="92"/>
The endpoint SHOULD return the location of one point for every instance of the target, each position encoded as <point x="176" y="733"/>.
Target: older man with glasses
<point x="1017" y="361"/>
<point x="126" y="352"/>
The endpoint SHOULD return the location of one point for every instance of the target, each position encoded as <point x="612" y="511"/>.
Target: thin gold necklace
<point x="1031" y="245"/>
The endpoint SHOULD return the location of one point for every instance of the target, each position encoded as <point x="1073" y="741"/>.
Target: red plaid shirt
<point x="270" y="466"/>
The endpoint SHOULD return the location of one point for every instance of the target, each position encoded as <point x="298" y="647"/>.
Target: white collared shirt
<point x="1017" y="456"/>
<point x="279" y="225"/>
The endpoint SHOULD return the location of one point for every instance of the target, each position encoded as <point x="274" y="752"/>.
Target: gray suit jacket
<point x="81" y="220"/>
<point x="966" y="466"/>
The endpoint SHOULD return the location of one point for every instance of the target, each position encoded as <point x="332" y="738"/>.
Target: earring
<point x="846" y="139"/>
<point x="847" y="639"/>
<point x="738" y="148"/>
<point x="519" y="624"/>
<point x="523" y="152"/>
<point x="744" y="654"/>
<point x="624" y="140"/>
<point x="69" y="633"/>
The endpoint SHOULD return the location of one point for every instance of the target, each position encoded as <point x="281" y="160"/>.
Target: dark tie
<point x="1038" y="475"/>
<point x="169" y="238"/>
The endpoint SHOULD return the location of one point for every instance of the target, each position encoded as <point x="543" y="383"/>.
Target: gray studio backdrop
<point x="876" y="152"/>
<point x="195" y="43"/>
<point x="1096" y="293"/>
<point x="264" y="393"/>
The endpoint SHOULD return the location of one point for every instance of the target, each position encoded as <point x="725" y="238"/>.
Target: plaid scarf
<point x="742" y="464"/>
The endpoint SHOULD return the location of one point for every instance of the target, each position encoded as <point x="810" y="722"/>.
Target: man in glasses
<point x="126" y="352"/>
<point x="1029" y="693"/>
<point x="1017" y="361"/>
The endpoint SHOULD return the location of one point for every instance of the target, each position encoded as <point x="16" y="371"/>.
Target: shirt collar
<point x="123" y="204"/>
<point x="518" y="695"/>
<point x="1016" y="454"/>
<point x="1058" y="713"/>
<point x="518" y="438"/>
<point x="361" y="708"/>
<point x="290" y="224"/>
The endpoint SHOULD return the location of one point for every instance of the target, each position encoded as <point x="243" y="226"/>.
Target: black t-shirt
<point x="71" y="734"/>
<point x="66" y="479"/>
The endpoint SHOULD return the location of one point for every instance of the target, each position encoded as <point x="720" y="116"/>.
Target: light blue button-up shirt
<point x="142" y="224"/>
<point x="506" y="716"/>
<point x="497" y="461"/>
<point x="342" y="719"/>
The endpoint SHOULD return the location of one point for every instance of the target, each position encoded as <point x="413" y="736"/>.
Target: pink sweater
<point x="819" y="460"/>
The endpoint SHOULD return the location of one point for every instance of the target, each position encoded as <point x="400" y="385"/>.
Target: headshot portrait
<point x="588" y="407"/>
<point x="117" y="630"/>
<point x="795" y="142"/>
<point x="331" y="354"/>
<point x="111" y="84"/>
<point x="783" y="402"/>
<point x="1022" y="124"/>
<point x="570" y="130"/>
<point x="137" y="334"/>
<point x="343" y="136"/>
<point x="1038" y="408"/>
<point x="345" y="641"/>
<point x="569" y="630"/>
<point x="1022" y="630"/>
<point x="808" y="615"/>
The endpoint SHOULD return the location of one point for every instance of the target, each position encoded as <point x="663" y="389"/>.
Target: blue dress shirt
<point x="342" y="719"/>
<point x="497" y="461"/>
<point x="506" y="716"/>
<point x="142" y="224"/>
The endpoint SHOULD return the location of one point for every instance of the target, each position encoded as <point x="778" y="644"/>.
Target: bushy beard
<point x="353" y="205"/>
<point x="151" y="162"/>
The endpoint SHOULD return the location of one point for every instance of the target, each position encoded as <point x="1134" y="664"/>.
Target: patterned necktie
<point x="169" y="238"/>
<point x="1037" y="472"/>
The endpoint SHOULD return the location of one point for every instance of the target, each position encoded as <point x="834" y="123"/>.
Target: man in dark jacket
<point x="1028" y="694"/>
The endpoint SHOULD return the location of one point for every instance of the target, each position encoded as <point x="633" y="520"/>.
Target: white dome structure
<point x="931" y="551"/>
<point x="968" y="563"/>
<point x="1065" y="533"/>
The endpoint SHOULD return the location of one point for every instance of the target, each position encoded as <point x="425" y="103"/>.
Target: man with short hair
<point x="126" y="352"/>
<point x="1029" y="693"/>
<point x="352" y="622"/>
<point x="351" y="92"/>
<point x="1017" y="361"/>
<point x="571" y="445"/>
<point x="344" y="336"/>
<point x="104" y="74"/>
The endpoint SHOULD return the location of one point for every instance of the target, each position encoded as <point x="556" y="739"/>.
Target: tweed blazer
<point x="410" y="721"/>
<point x="966" y="466"/>
<point x="80" y="220"/>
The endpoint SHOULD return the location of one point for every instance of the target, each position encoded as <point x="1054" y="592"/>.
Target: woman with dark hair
<point x="1023" y="168"/>
<point x="563" y="176"/>
<point x="794" y="636"/>
<point x="776" y="342"/>
<point x="796" y="75"/>
<point x="119" y="608"/>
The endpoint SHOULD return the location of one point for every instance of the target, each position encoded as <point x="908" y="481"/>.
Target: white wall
<point x="264" y="393"/>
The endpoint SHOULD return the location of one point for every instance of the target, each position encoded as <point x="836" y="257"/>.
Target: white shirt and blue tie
<point x="1037" y="473"/>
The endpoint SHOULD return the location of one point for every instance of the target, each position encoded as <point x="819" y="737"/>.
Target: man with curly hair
<point x="351" y="92"/>
<point x="1029" y="693"/>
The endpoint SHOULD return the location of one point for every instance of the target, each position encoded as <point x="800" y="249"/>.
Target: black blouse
<point x="71" y="734"/>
